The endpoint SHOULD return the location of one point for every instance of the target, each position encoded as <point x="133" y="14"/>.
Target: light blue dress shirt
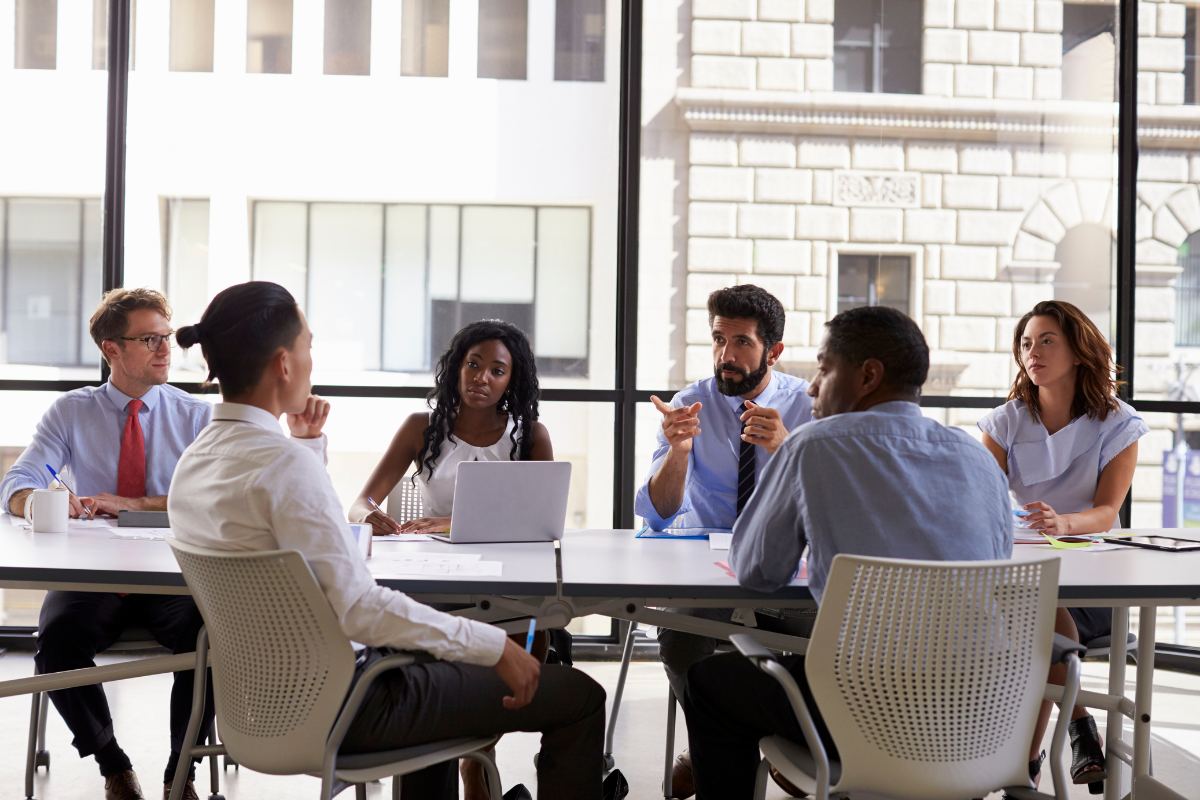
<point x="80" y="435"/>
<point x="1060" y="469"/>
<point x="884" y="482"/>
<point x="710" y="490"/>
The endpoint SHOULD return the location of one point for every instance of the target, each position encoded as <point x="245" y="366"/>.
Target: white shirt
<point x="244" y="485"/>
<point x="437" y="493"/>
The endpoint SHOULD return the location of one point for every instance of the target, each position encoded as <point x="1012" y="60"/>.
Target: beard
<point x="750" y="380"/>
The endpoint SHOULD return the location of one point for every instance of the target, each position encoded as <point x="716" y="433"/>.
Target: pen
<point x="529" y="637"/>
<point x="69" y="489"/>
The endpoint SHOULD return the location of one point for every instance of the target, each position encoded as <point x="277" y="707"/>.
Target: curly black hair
<point x="520" y="399"/>
<point x="747" y="301"/>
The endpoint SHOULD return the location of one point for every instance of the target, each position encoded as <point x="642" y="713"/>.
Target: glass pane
<point x="503" y="31"/>
<point x="563" y="255"/>
<point x="405" y="278"/>
<point x="281" y="246"/>
<point x="783" y="189"/>
<point x="1089" y="61"/>
<point x="854" y="281"/>
<point x="269" y="36"/>
<point x="185" y="258"/>
<point x="1190" y="50"/>
<point x="37" y="34"/>
<point x="425" y="46"/>
<point x="347" y="37"/>
<point x="497" y="255"/>
<point x="42" y="296"/>
<point x="192" y="35"/>
<point x="99" y="34"/>
<point x="344" y="308"/>
<point x="579" y="40"/>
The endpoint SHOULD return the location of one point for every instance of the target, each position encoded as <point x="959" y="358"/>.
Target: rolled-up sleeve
<point x="769" y="536"/>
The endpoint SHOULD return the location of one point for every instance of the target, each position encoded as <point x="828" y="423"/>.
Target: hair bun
<point x="188" y="335"/>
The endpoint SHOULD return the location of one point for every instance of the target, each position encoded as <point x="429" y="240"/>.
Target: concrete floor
<point x="140" y="713"/>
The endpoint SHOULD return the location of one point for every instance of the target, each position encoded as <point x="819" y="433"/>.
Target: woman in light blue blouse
<point x="1069" y="448"/>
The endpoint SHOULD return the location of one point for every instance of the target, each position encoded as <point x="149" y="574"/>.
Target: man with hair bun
<point x="119" y="444"/>
<point x="717" y="436"/>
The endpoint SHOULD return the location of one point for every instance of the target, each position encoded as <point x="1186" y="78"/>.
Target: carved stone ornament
<point x="884" y="189"/>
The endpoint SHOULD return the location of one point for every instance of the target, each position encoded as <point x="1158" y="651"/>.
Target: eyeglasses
<point x="152" y="341"/>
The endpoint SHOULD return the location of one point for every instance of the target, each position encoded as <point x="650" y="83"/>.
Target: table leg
<point x="1144" y="694"/>
<point x="1116" y="781"/>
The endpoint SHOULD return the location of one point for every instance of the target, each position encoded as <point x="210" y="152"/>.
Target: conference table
<point x="615" y="574"/>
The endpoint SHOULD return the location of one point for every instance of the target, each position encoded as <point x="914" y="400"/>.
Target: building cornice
<point x="926" y="117"/>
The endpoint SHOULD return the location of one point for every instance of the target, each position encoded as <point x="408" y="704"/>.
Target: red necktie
<point x="131" y="468"/>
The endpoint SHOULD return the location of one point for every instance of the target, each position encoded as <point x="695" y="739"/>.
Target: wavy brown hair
<point x="1096" y="375"/>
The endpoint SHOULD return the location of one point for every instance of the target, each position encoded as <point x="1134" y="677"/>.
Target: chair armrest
<point x="750" y="647"/>
<point x="358" y="693"/>
<point x="1063" y="647"/>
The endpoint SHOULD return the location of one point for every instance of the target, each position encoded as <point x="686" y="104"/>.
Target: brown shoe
<point x="123" y="786"/>
<point x="683" y="785"/>
<point x="785" y="784"/>
<point x="189" y="791"/>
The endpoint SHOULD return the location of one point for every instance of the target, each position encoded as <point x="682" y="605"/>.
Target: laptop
<point x="509" y="501"/>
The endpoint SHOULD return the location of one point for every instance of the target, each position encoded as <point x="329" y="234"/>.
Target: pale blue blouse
<point x="1060" y="469"/>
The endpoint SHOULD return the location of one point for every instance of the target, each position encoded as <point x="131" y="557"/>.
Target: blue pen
<point x="68" y="488"/>
<point x="529" y="638"/>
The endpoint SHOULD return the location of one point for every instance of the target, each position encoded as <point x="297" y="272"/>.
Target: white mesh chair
<point x="404" y="501"/>
<point x="929" y="677"/>
<point x="282" y="671"/>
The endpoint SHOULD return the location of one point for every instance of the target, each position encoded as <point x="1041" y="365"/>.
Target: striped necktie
<point x="745" y="483"/>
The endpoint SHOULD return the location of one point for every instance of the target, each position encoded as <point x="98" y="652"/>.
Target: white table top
<point x="92" y="559"/>
<point x="595" y="565"/>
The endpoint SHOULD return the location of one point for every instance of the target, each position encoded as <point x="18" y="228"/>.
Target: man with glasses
<point x="118" y="445"/>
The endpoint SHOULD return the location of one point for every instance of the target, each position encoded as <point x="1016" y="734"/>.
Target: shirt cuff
<point x="318" y="445"/>
<point x="487" y="650"/>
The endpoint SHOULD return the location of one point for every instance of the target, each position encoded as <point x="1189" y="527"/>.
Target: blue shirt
<point x="1063" y="468"/>
<point x="885" y="482"/>
<point x="710" y="489"/>
<point x="81" y="434"/>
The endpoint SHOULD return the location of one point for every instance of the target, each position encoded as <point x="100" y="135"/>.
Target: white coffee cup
<point x="47" y="510"/>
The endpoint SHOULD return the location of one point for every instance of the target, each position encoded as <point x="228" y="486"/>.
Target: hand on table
<point x="426" y="525"/>
<point x="520" y="672"/>
<point x="1045" y="519"/>
<point x="381" y="524"/>
<point x="679" y="425"/>
<point x="308" y="423"/>
<point x="764" y="426"/>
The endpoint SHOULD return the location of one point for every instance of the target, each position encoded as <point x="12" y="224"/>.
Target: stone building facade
<point x="985" y="187"/>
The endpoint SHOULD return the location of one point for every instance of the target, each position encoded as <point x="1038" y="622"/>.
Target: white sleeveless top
<point x="437" y="492"/>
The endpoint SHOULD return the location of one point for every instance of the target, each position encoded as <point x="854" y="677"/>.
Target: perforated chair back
<point x="404" y="501"/>
<point x="281" y="665"/>
<point x="929" y="675"/>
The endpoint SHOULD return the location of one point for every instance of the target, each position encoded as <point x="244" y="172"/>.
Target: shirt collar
<point x="120" y="400"/>
<point x="240" y="412"/>
<point x="737" y="402"/>
<point x="903" y="408"/>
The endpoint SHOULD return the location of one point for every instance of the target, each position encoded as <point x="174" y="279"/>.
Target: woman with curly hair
<point x="1069" y="448"/>
<point x="484" y="407"/>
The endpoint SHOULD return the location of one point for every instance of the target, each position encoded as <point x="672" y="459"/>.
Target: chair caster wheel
<point x="216" y="797"/>
<point x="41" y="759"/>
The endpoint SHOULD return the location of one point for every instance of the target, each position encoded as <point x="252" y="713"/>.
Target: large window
<point x="37" y="34"/>
<point x="503" y="35"/>
<point x="347" y="37"/>
<point x="386" y="287"/>
<point x="50" y="254"/>
<point x="425" y="49"/>
<point x="874" y="280"/>
<point x="269" y="36"/>
<point x="579" y="40"/>
<point x="877" y="46"/>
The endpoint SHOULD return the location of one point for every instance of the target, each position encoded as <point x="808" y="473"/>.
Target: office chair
<point x="282" y="672"/>
<point x="929" y="677"/>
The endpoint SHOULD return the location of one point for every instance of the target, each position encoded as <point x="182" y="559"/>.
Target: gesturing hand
<point x="520" y="672"/>
<point x="309" y="422"/>
<point x="679" y="425"/>
<point x="763" y="426"/>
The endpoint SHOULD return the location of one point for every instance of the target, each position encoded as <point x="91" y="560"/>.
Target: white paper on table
<point x="431" y="565"/>
<point x="103" y="523"/>
<point x="404" y="537"/>
<point x="142" y="534"/>
<point x="720" y="541"/>
<point x="388" y="554"/>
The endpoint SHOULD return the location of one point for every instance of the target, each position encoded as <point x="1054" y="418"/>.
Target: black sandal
<point x="1087" y="754"/>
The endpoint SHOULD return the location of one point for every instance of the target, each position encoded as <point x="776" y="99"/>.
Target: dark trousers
<point x="443" y="700"/>
<point x="75" y="626"/>
<point x="730" y="704"/>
